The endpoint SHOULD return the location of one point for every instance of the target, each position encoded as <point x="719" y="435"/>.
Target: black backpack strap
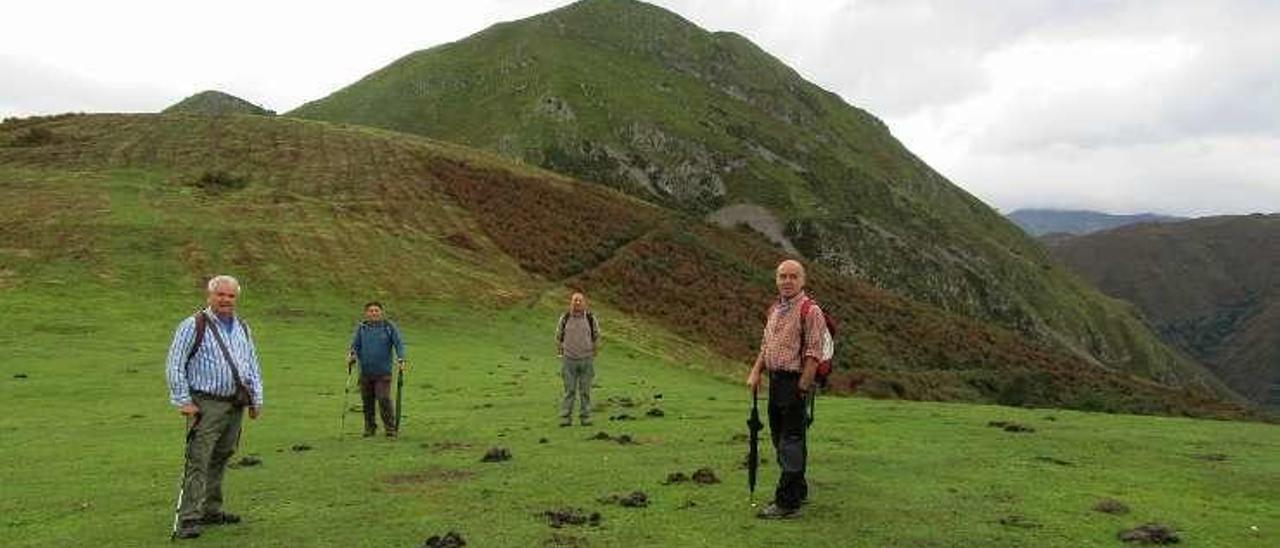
<point x="591" y="324"/>
<point x="564" y="319"/>
<point x="201" y="324"/>
<point x="226" y="354"/>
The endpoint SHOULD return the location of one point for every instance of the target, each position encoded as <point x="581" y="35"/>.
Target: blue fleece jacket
<point x="373" y="343"/>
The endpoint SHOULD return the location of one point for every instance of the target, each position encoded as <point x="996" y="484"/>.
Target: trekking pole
<point x="182" y="482"/>
<point x="399" y="393"/>
<point x="346" y="400"/>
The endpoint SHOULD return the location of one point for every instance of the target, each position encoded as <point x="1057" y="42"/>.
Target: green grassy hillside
<point x="1208" y="285"/>
<point x="92" y="449"/>
<point x="215" y="102"/>
<point x="637" y="98"/>
<point x="302" y="208"/>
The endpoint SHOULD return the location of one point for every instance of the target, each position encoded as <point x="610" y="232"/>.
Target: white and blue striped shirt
<point x="208" y="371"/>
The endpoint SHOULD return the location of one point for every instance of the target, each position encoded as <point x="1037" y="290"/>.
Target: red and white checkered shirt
<point x="780" y="344"/>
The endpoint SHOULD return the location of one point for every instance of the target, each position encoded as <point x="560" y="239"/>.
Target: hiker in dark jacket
<point x="577" y="342"/>
<point x="372" y="344"/>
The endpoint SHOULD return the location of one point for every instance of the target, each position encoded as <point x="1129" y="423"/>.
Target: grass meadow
<point x="92" y="450"/>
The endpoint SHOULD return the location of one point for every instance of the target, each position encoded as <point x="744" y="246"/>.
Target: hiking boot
<point x="189" y="528"/>
<point x="773" y="511"/>
<point x="392" y="435"/>
<point x="370" y="433"/>
<point x="566" y="422"/>
<point x="219" y="518"/>
<point x="585" y="421"/>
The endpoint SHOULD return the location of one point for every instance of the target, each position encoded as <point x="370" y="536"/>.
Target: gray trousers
<point x="209" y="446"/>
<point x="577" y="375"/>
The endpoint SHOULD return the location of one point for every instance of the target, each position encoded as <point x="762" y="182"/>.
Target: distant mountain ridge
<point x="1210" y="286"/>
<point x="1041" y="222"/>
<point x="215" y="102"/>
<point x="635" y="97"/>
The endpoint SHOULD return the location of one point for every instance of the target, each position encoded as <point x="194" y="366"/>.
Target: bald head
<point x="790" y="278"/>
<point x="577" y="302"/>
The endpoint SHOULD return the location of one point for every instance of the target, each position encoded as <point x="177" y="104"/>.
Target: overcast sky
<point x="1168" y="106"/>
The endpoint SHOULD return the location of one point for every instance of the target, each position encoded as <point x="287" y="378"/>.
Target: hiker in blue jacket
<point x="372" y="344"/>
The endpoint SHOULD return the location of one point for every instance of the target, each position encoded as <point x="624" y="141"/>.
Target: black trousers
<point x="788" y="426"/>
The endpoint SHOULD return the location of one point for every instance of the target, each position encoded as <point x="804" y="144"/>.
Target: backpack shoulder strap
<point x="591" y="324"/>
<point x="202" y="323"/>
<point x="564" y="319"/>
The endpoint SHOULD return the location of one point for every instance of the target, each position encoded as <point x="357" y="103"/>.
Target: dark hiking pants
<point x="209" y="447"/>
<point x="377" y="389"/>
<point x="788" y="426"/>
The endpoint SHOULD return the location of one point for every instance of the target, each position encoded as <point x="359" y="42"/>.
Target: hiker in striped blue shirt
<point x="213" y="376"/>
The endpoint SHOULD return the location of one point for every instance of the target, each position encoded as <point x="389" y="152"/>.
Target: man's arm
<point x="176" y="364"/>
<point x="596" y="336"/>
<point x="815" y="325"/>
<point x="254" y="375"/>
<point x="807" y="374"/>
<point x="560" y="336"/>
<point x="757" y="368"/>
<point x="355" y="342"/>
<point x="398" y="342"/>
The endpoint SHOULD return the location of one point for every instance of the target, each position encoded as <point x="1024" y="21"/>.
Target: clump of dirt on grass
<point x="1111" y="506"/>
<point x="571" y="516"/>
<point x="1011" y="427"/>
<point x="1052" y="460"/>
<point x="705" y="476"/>
<point x="1150" y="533"/>
<point x="19" y="375"/>
<point x="452" y="539"/>
<point x="656" y="412"/>
<point x="622" y="439"/>
<point x="622" y="417"/>
<point x="246" y="461"/>
<point x="636" y="499"/>
<point x="622" y="401"/>
<point x="300" y="448"/>
<point x="1019" y="521"/>
<point x="1213" y="457"/>
<point x="676" y="477"/>
<point x="496" y="454"/>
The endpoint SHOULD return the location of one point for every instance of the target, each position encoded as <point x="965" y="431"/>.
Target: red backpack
<point x="828" y="339"/>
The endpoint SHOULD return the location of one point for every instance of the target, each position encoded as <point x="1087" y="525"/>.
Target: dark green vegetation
<point x="217" y="103"/>
<point x="306" y="206"/>
<point x="1042" y="222"/>
<point x="635" y="97"/>
<point x="1211" y="286"/>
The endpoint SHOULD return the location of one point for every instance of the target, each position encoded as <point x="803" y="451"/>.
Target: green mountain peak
<point x="637" y="98"/>
<point x="215" y="102"/>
